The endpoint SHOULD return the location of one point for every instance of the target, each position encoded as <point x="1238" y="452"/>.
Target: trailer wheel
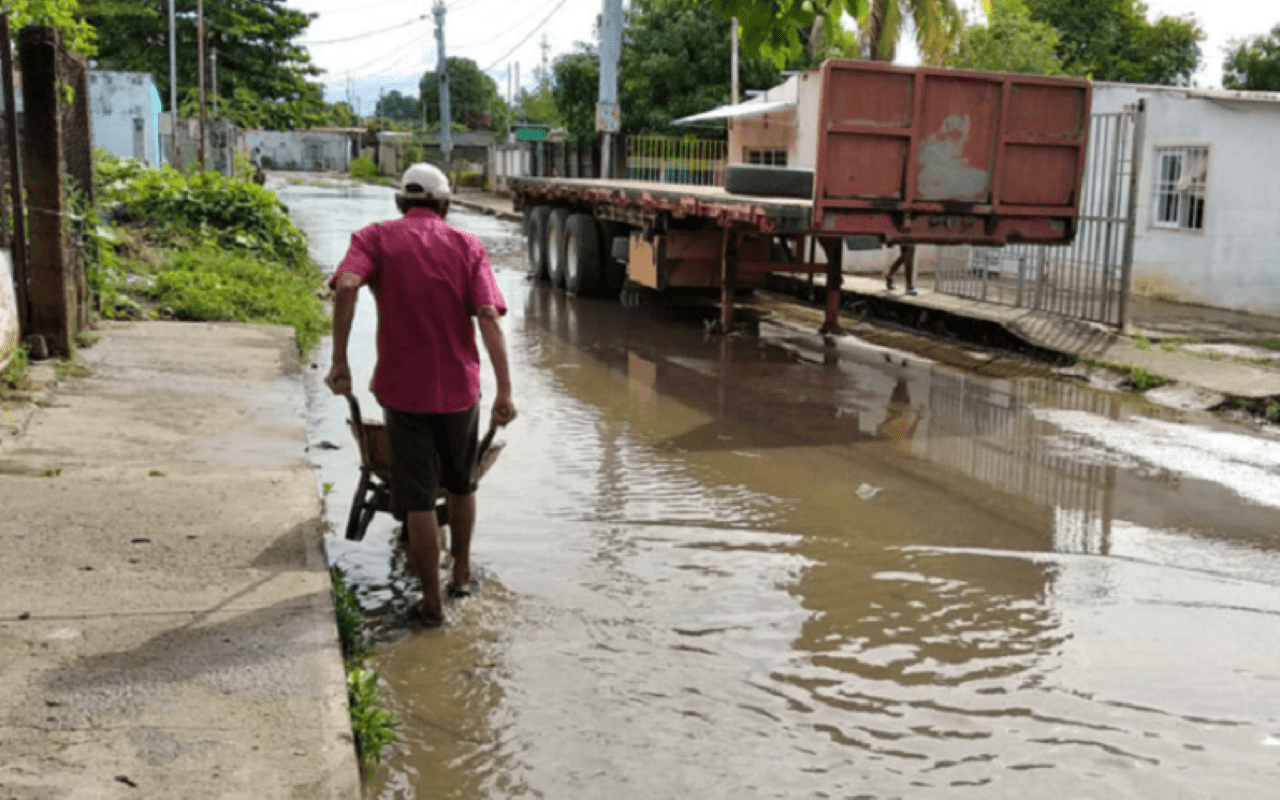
<point x="556" y="255"/>
<point x="536" y="235"/>
<point x="613" y="270"/>
<point x="765" y="181"/>
<point x="582" y="255"/>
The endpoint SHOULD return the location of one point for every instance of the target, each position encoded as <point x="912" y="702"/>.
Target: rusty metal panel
<point x="949" y="156"/>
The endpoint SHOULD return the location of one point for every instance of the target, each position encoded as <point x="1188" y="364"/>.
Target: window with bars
<point x="1181" y="175"/>
<point x="767" y="158"/>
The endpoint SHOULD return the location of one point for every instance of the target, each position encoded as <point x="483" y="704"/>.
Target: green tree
<point x="254" y="40"/>
<point x="1254" y="64"/>
<point x="1112" y="40"/>
<point x="675" y="62"/>
<point x="540" y="107"/>
<point x="400" y="107"/>
<point x="1010" y="42"/>
<point x="65" y="15"/>
<point x="936" y="24"/>
<point x="778" y="30"/>
<point x="575" y="90"/>
<point x="473" y="97"/>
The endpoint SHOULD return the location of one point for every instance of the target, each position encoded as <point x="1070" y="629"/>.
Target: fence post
<point x="77" y="154"/>
<point x="52" y="288"/>
<point x="1126" y="264"/>
<point x="19" y="229"/>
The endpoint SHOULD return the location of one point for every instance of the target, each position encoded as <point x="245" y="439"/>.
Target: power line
<point x="367" y="34"/>
<point x="494" y="37"/>
<point x="527" y="37"/>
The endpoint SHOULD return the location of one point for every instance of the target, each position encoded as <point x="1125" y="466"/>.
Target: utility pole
<point x="213" y="62"/>
<point x="733" y="61"/>
<point x="442" y="79"/>
<point x="545" y="74"/>
<point x="200" y="70"/>
<point x="518" y="91"/>
<point x="607" y="112"/>
<point x="173" y="89"/>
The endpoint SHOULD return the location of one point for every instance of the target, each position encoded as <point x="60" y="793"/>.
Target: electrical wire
<point x="367" y="34"/>
<point x="494" y="37"/>
<point x="527" y="37"/>
<point x="391" y="54"/>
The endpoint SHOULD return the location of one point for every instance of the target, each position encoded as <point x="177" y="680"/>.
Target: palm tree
<point x="937" y="23"/>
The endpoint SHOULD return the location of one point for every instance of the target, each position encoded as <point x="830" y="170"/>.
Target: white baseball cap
<point x="428" y="180"/>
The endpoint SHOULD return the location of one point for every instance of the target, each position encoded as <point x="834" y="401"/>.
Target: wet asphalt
<point x="781" y="566"/>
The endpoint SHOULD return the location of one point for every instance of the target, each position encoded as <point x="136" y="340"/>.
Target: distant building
<point x="124" y="110"/>
<point x="314" y="150"/>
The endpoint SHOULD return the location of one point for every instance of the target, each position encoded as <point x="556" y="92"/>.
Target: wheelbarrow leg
<point x="358" y="520"/>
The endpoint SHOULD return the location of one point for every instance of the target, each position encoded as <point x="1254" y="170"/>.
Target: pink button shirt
<point x="428" y="279"/>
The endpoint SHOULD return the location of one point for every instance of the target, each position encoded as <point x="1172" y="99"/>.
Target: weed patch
<point x="372" y="726"/>
<point x="14" y="374"/>
<point x="207" y="284"/>
<point x="1140" y="379"/>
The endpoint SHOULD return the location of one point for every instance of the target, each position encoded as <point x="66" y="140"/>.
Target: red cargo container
<point x="949" y="156"/>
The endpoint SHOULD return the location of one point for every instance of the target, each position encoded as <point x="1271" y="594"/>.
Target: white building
<point x="124" y="109"/>
<point x="1207" y="229"/>
<point x="315" y="150"/>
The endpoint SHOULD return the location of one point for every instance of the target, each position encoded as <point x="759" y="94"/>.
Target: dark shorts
<point x="430" y="451"/>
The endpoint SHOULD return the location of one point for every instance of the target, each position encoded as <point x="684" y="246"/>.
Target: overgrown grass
<point x="14" y="374"/>
<point x="198" y="247"/>
<point x="1139" y="378"/>
<point x="372" y="727"/>
<point x="207" y="284"/>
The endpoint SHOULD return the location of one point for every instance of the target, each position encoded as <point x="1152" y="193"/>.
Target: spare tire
<point x="763" y="181"/>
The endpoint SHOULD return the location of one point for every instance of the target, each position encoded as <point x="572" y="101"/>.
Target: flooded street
<point x="773" y="567"/>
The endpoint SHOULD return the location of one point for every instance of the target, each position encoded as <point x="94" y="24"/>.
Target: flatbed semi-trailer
<point x="900" y="156"/>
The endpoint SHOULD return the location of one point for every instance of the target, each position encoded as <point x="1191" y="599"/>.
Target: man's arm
<point x="344" y="309"/>
<point x="504" y="410"/>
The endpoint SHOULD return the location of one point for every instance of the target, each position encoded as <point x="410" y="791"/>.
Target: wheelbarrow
<point x="373" y="493"/>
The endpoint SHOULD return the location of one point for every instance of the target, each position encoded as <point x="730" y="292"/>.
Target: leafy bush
<point x="363" y="168"/>
<point x="372" y="727"/>
<point x="14" y="374"/>
<point x="350" y="620"/>
<point x="473" y="180"/>
<point x="207" y="284"/>
<point x="237" y="215"/>
<point x="413" y="153"/>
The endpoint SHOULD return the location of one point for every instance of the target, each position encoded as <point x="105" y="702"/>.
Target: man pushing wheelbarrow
<point x="428" y="280"/>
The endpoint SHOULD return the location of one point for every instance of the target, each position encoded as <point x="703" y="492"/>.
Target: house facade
<point x="1206" y="229"/>
<point x="124" y="109"/>
<point x="315" y="150"/>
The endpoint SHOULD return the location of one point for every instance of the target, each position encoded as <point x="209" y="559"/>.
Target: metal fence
<point x="1088" y="279"/>
<point x="665" y="159"/>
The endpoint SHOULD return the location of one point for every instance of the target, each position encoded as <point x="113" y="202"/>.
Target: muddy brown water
<point x="777" y="567"/>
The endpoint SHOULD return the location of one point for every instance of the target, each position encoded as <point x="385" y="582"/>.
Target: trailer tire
<point x="582" y="255"/>
<point x="768" y="181"/>
<point x="536" y="236"/>
<point x="556" y="256"/>
<point x="613" y="271"/>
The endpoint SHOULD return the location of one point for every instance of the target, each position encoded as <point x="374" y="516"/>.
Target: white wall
<point x="8" y="310"/>
<point x="314" y="151"/>
<point x="1234" y="262"/>
<point x="116" y="100"/>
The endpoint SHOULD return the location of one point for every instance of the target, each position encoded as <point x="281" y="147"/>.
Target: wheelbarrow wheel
<point x="361" y="509"/>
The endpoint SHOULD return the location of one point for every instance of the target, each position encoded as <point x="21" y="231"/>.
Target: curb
<point x="509" y="216"/>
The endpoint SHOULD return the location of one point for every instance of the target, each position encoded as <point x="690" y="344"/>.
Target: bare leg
<point x="424" y="555"/>
<point x="462" y="519"/>
<point x="909" y="264"/>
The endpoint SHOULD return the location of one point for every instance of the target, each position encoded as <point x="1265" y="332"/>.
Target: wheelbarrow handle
<point x="486" y="442"/>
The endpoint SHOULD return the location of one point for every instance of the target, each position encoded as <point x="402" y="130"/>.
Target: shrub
<point x="363" y="168"/>
<point x="14" y="374"/>
<point x="237" y="215"/>
<point x="206" y="284"/>
<point x="474" y="180"/>
<point x="371" y="726"/>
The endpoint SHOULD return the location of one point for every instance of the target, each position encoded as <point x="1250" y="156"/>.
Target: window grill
<point x="1181" y="175"/>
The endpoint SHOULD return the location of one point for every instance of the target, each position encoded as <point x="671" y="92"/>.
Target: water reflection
<point x="788" y="567"/>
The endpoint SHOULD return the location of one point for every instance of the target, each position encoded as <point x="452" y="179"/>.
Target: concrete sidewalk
<point x="166" y="619"/>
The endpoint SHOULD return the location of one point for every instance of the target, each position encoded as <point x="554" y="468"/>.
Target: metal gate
<point x="1088" y="279"/>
